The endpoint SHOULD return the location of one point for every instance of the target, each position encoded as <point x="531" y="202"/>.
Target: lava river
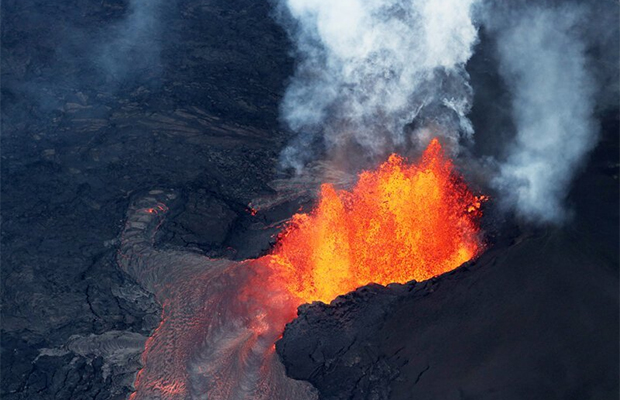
<point x="221" y="318"/>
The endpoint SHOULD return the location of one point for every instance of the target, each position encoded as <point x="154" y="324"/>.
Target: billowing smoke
<point x="378" y="76"/>
<point x="368" y="68"/>
<point x="543" y="61"/>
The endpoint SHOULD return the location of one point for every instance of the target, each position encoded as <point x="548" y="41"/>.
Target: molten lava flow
<point x="399" y="223"/>
<point x="221" y="318"/>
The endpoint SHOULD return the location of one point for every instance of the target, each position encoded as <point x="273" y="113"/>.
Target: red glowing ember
<point x="399" y="223"/>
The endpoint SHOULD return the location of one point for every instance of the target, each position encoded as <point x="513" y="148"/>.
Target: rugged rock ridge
<point x="504" y="327"/>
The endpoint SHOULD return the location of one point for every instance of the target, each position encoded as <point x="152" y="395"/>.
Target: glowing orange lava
<point x="399" y="223"/>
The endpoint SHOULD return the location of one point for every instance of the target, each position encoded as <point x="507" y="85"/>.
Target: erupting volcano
<point x="287" y="199"/>
<point x="221" y="318"/>
<point x="399" y="223"/>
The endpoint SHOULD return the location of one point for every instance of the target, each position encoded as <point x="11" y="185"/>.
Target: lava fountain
<point x="399" y="223"/>
<point x="221" y="318"/>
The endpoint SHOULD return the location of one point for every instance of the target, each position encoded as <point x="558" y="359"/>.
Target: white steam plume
<point x="368" y="68"/>
<point x="544" y="63"/>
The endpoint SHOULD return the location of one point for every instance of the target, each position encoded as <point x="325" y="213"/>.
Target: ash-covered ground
<point x="190" y="103"/>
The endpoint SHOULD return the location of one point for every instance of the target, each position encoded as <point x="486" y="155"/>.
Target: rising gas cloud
<point x="379" y="76"/>
<point x="543" y="60"/>
<point x="368" y="69"/>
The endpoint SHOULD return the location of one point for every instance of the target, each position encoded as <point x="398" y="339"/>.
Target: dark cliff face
<point x="534" y="317"/>
<point x="334" y="346"/>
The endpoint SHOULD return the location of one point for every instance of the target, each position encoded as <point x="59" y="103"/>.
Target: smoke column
<point x="369" y="68"/>
<point x="544" y="64"/>
<point x="379" y="76"/>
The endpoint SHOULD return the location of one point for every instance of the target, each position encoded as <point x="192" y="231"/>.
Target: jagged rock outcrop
<point x="328" y="342"/>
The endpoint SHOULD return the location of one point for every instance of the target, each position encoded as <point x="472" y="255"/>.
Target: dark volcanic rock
<point x="204" y="223"/>
<point x="329" y="342"/>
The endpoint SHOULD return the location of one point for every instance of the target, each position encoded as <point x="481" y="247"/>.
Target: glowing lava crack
<point x="221" y="318"/>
